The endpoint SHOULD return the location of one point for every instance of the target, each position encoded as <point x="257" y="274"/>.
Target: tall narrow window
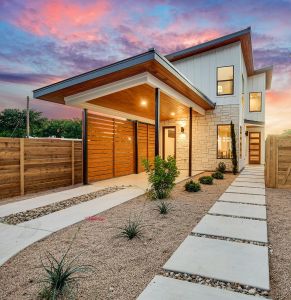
<point x="223" y="141"/>
<point x="255" y="102"/>
<point x="225" y="81"/>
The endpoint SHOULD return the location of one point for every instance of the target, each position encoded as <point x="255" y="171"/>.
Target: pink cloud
<point x="63" y="19"/>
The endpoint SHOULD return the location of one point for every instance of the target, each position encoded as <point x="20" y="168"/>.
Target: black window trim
<point x="217" y="140"/>
<point x="255" y="111"/>
<point x="218" y="95"/>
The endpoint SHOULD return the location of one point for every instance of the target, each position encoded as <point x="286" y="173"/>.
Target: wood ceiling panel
<point x="140" y="101"/>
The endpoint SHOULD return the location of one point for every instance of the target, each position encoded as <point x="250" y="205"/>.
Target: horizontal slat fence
<point x="278" y="161"/>
<point x="34" y="165"/>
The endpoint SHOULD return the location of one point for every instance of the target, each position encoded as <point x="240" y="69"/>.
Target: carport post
<point x="190" y="141"/>
<point x="157" y="121"/>
<point x="85" y="146"/>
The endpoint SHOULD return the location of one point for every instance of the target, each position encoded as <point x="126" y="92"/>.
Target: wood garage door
<point x="110" y="147"/>
<point x="254" y="147"/>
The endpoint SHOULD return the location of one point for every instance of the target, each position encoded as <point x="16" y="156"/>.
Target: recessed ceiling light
<point x="143" y="103"/>
<point x="172" y="113"/>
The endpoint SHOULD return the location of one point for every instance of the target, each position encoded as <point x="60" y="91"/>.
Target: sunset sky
<point x="46" y="41"/>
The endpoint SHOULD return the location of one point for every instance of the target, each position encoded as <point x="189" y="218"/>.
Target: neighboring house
<point x="180" y="104"/>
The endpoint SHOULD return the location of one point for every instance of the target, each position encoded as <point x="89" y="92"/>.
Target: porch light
<point x="143" y="103"/>
<point x="182" y="129"/>
<point x="172" y="113"/>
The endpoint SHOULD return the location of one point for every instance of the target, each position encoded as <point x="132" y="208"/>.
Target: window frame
<point x="218" y="95"/>
<point x="217" y="126"/>
<point x="256" y="111"/>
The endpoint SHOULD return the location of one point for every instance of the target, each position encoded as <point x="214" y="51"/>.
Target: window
<point x="225" y="82"/>
<point x="255" y="102"/>
<point x="243" y="83"/>
<point x="223" y="141"/>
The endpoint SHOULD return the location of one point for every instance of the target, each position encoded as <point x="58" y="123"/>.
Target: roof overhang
<point x="252" y="122"/>
<point x="242" y="36"/>
<point x="149" y="62"/>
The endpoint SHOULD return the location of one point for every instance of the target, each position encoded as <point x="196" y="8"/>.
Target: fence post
<point x="73" y="162"/>
<point x="21" y="165"/>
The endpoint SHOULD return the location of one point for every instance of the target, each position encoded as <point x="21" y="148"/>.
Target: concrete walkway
<point x="229" y="244"/>
<point x="14" y="238"/>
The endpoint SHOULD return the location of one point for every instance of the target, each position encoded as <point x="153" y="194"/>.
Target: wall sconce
<point x="247" y="133"/>
<point x="182" y="129"/>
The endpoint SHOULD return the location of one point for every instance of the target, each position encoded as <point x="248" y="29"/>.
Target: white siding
<point x="201" y="71"/>
<point x="256" y="83"/>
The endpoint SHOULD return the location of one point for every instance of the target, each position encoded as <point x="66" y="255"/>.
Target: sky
<point x="46" y="41"/>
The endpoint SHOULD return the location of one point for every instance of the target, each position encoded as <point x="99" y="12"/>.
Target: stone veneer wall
<point x="204" y="155"/>
<point x="205" y="136"/>
<point x="182" y="141"/>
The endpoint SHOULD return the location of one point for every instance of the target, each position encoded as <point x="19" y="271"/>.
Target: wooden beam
<point x="85" y="146"/>
<point x="21" y="165"/>
<point x="73" y="162"/>
<point x="157" y="121"/>
<point x="190" y="141"/>
<point x="136" y="147"/>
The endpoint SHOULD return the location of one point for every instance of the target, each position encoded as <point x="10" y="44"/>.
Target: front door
<point x="169" y="141"/>
<point x="254" y="147"/>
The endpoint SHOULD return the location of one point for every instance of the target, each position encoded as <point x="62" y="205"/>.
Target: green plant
<point x="217" y="175"/>
<point x="164" y="207"/>
<point x="192" y="186"/>
<point x="233" y="148"/>
<point x="62" y="276"/>
<point x="161" y="176"/>
<point x="221" y="167"/>
<point x="206" y="180"/>
<point x="132" y="229"/>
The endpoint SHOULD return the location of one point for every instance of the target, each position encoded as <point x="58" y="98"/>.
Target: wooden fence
<point x="34" y="165"/>
<point x="278" y="161"/>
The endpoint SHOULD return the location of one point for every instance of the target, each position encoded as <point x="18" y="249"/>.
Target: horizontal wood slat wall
<point x="278" y="161"/>
<point x="34" y="165"/>
<point x="146" y="144"/>
<point x="110" y="147"/>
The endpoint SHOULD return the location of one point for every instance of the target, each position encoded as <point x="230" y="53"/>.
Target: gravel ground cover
<point x="21" y="217"/>
<point x="279" y="230"/>
<point x="122" y="268"/>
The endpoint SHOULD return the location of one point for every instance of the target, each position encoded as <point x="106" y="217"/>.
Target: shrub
<point x="132" y="229"/>
<point x="217" y="175"/>
<point x="206" y="180"/>
<point x="164" y="207"/>
<point x="161" y="176"/>
<point x="62" y="276"/>
<point x="221" y="167"/>
<point x="192" y="186"/>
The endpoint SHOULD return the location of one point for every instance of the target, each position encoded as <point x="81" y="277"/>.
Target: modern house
<point x="180" y="104"/>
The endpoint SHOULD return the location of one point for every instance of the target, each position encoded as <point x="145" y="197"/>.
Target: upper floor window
<point x="243" y="83"/>
<point x="225" y="81"/>
<point x="224" y="141"/>
<point x="256" y="102"/>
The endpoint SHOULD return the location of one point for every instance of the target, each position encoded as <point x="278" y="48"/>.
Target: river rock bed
<point x="28" y="215"/>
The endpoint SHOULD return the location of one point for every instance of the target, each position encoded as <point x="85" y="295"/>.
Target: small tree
<point x="161" y="176"/>
<point x="233" y="148"/>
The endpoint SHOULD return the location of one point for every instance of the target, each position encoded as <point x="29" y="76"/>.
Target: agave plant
<point x="62" y="276"/>
<point x="132" y="229"/>
<point x="164" y="207"/>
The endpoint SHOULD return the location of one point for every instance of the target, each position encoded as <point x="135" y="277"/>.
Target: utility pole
<point x="27" y="116"/>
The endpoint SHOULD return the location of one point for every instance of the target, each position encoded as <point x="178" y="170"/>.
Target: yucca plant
<point x="132" y="229"/>
<point x="164" y="207"/>
<point x="62" y="276"/>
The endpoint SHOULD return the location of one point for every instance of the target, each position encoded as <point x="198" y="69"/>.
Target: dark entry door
<point x="254" y="147"/>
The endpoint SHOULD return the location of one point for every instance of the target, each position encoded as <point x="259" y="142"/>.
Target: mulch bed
<point x="122" y="268"/>
<point x="31" y="214"/>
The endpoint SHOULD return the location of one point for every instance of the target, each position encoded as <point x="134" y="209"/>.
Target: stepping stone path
<point x="228" y="245"/>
